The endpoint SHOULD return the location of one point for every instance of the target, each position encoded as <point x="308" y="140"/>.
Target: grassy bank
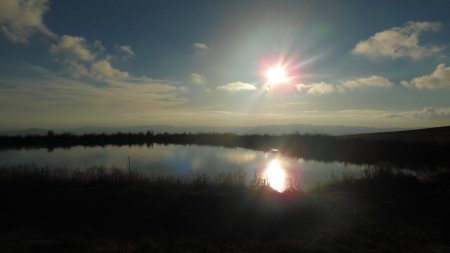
<point x="111" y="210"/>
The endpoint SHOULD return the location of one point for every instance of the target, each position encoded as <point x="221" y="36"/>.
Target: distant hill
<point x="435" y="135"/>
<point x="265" y="129"/>
<point x="28" y="131"/>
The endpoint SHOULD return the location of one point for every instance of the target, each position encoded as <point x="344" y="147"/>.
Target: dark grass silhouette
<point x="113" y="210"/>
<point x="419" y="149"/>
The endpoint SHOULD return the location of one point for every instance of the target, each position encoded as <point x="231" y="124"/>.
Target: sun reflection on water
<point x="276" y="176"/>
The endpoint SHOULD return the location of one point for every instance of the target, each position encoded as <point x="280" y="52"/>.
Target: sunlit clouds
<point x="440" y="78"/>
<point x="316" y="88"/>
<point x="198" y="79"/>
<point x="400" y="42"/>
<point x="72" y="47"/>
<point x="372" y="81"/>
<point x="102" y="70"/>
<point x="349" y="85"/>
<point x="237" y="86"/>
<point x="20" y="19"/>
<point x="83" y="60"/>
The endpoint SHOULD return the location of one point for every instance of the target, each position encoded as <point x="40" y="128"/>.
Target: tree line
<point x="307" y="146"/>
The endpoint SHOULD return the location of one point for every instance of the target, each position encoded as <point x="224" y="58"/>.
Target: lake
<point x="186" y="161"/>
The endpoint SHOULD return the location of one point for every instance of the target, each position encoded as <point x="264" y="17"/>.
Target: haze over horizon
<point x="69" y="64"/>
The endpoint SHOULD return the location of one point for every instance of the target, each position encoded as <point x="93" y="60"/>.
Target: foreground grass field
<point x="110" y="210"/>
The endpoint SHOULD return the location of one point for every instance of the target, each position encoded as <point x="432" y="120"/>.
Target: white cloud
<point x="102" y="70"/>
<point x="316" y="88"/>
<point x="198" y="79"/>
<point x="400" y="42"/>
<point x="440" y="78"/>
<point x="237" y="86"/>
<point x="72" y="47"/>
<point x="20" y="19"/>
<point x="426" y="113"/>
<point x="372" y="81"/>
<point x="126" y="49"/>
<point x="200" y="46"/>
<point x="327" y="88"/>
<point x="82" y="61"/>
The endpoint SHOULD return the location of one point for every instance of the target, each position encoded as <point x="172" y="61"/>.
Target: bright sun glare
<point x="276" y="75"/>
<point x="276" y="176"/>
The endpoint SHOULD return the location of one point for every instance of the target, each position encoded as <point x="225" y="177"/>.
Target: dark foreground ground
<point x="103" y="210"/>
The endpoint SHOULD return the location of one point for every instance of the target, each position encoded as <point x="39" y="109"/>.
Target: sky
<point x="117" y="63"/>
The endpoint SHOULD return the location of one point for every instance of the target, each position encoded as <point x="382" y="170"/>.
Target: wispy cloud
<point x="126" y="50"/>
<point x="102" y="70"/>
<point x="84" y="61"/>
<point x="327" y="88"/>
<point x="61" y="99"/>
<point x="237" y="86"/>
<point x="400" y="42"/>
<point x="200" y="46"/>
<point x="72" y="48"/>
<point x="426" y="113"/>
<point x="20" y="19"/>
<point x="198" y="79"/>
<point x="440" y="78"/>
<point x="372" y="81"/>
<point x="316" y="88"/>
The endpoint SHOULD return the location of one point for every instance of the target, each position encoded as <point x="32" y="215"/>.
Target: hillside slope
<point x="435" y="135"/>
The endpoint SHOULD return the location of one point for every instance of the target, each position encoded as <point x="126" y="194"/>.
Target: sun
<point x="276" y="75"/>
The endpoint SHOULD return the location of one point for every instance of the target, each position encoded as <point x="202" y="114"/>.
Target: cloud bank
<point x="62" y="100"/>
<point x="426" y="113"/>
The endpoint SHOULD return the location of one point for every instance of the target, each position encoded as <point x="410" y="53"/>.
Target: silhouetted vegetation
<point x="113" y="210"/>
<point x="421" y="152"/>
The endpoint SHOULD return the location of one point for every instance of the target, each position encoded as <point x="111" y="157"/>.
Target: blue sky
<point x="66" y="64"/>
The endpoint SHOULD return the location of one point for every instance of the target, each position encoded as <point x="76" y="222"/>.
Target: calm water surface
<point x="179" y="160"/>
